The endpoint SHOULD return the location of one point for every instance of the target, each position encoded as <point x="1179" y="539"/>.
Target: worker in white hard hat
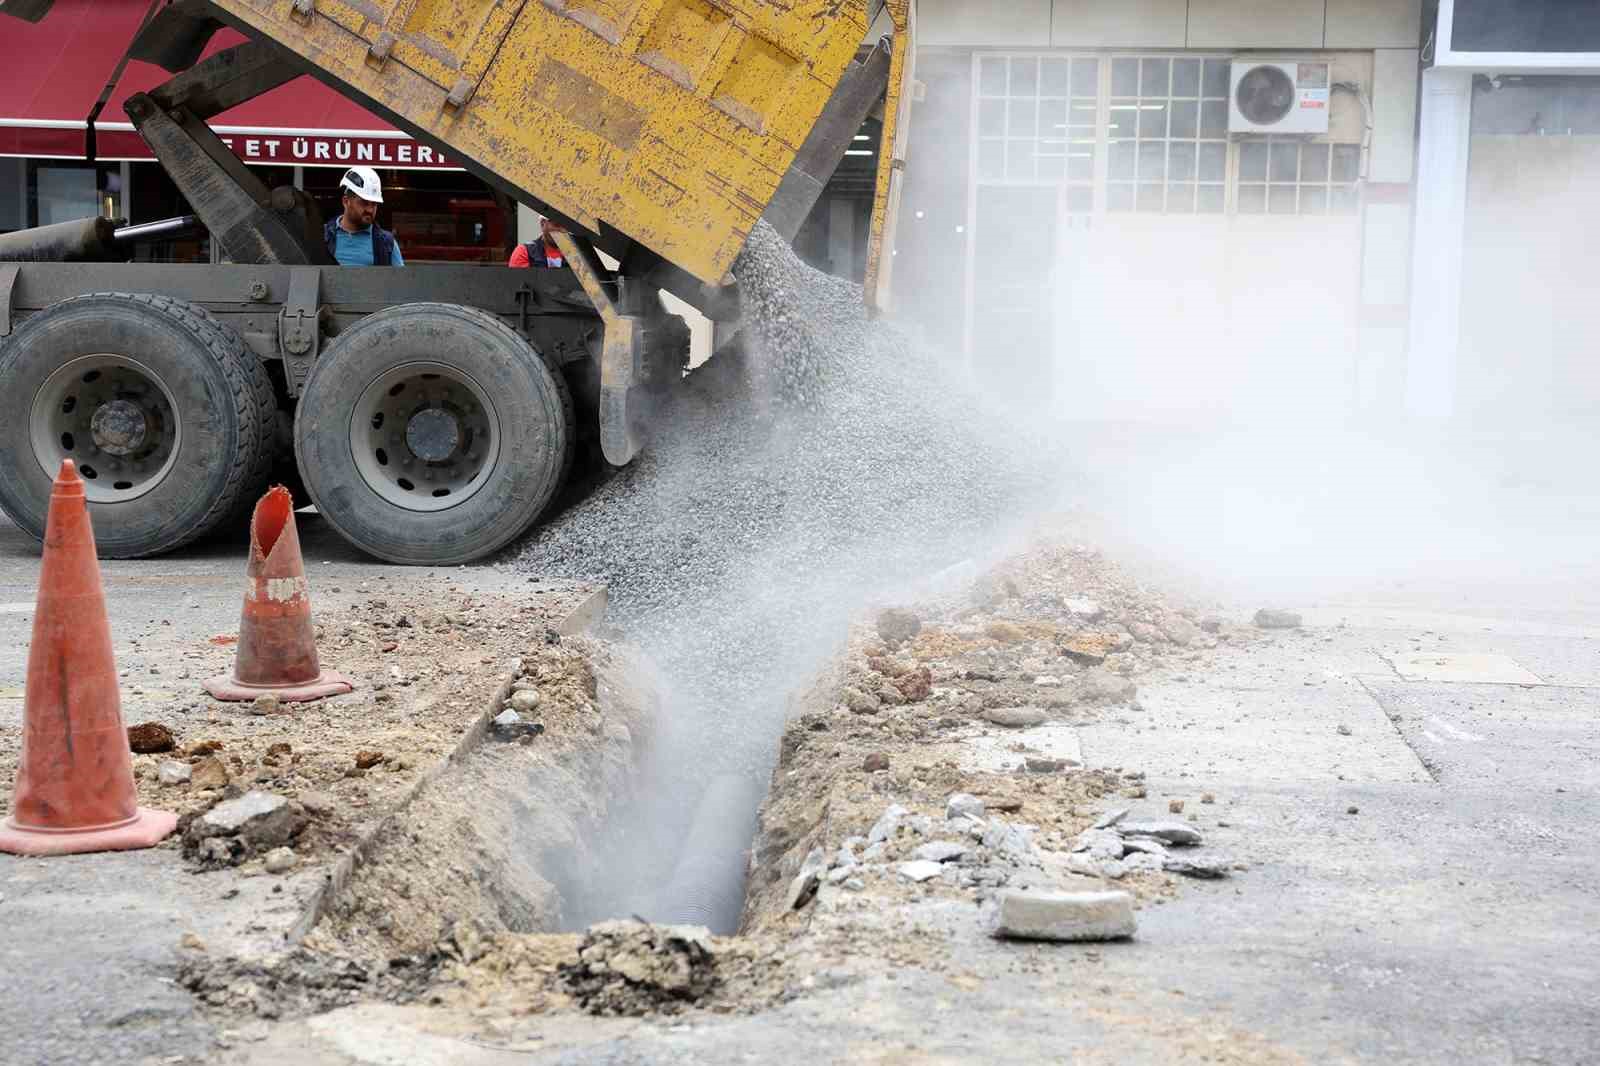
<point x="355" y="238"/>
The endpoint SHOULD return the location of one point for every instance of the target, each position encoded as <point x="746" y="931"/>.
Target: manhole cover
<point x="1465" y="668"/>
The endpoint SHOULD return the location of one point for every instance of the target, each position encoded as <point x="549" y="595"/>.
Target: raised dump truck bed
<point x="435" y="410"/>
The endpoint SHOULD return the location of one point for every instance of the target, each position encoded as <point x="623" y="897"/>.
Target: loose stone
<point x="940" y="851"/>
<point x="920" y="870"/>
<point x="1061" y="916"/>
<point x="1197" y="866"/>
<point x="1167" y="831"/>
<point x="1015" y="717"/>
<point x="963" y="805"/>
<point x="173" y="773"/>
<point x="280" y="860"/>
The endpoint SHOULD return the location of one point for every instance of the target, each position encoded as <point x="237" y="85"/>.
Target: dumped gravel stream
<point x="791" y="486"/>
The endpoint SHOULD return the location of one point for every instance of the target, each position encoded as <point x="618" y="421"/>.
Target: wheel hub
<point x="113" y="417"/>
<point x="433" y="434"/>
<point x="424" y="436"/>
<point x="119" y="427"/>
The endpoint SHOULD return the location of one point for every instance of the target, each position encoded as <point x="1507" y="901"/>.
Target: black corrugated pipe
<point x="707" y="884"/>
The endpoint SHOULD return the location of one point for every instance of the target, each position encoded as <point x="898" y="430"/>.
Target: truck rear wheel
<point x="432" y="434"/>
<point x="167" y="417"/>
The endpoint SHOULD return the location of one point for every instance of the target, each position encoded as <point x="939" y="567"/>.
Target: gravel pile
<point x="792" y="485"/>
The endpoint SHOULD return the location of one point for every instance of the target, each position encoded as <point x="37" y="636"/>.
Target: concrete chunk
<point x="1111" y="818"/>
<point x="921" y="870"/>
<point x="1168" y="831"/>
<point x="1100" y="844"/>
<point x="262" y="819"/>
<point x="940" y="851"/>
<point x="885" y="827"/>
<point x="1061" y="916"/>
<point x="963" y="804"/>
<point x="1208" y="868"/>
<point x="172" y="772"/>
<point x="1015" y="717"/>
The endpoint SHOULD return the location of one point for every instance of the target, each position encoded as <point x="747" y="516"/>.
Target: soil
<point x="983" y="647"/>
<point x="425" y="657"/>
<point x="1049" y="612"/>
<point x="493" y="844"/>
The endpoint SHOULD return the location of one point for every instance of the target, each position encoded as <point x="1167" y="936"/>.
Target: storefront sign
<point x="333" y="151"/>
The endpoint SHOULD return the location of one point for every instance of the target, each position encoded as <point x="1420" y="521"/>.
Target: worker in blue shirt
<point x="355" y="238"/>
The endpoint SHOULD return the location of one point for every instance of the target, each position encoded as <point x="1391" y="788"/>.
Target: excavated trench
<point x="818" y="471"/>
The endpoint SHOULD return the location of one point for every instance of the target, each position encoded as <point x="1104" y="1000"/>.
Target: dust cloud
<point x="794" y="485"/>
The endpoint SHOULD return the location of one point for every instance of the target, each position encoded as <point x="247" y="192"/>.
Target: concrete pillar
<point x="1442" y="155"/>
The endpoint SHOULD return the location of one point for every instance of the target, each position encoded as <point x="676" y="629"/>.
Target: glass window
<point x="1155" y="77"/>
<point x="1086" y="77"/>
<point x="1285" y="176"/>
<point x="992" y="76"/>
<point x="1185" y="78"/>
<point x="1038" y="119"/>
<point x="1175" y="113"/>
<point x="1285" y="166"/>
<point x="991" y="118"/>
<point x="1023" y="121"/>
<point x="1214" y="82"/>
<point x="1181" y="161"/>
<point x="1024" y="77"/>
<point x="1053" y="78"/>
<point x="1253" y="161"/>
<point x="1185" y="119"/>
<point x="64" y="192"/>
<point x="1124" y="77"/>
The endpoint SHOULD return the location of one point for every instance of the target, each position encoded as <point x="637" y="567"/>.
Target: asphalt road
<point x="1420" y="888"/>
<point x="1451" y="918"/>
<point x="86" y="967"/>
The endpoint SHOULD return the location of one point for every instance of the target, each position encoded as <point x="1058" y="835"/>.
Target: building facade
<point x="1080" y="223"/>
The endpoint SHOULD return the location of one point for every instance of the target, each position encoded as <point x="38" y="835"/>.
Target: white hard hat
<point x="363" y="181"/>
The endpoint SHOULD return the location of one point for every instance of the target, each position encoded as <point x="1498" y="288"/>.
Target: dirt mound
<point x="628" y="968"/>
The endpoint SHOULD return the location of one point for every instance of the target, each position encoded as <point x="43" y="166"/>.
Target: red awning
<point x="59" y="67"/>
<point x="56" y="70"/>
<point x="303" y="123"/>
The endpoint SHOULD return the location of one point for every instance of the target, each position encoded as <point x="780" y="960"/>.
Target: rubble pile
<point x="254" y="824"/>
<point x="298" y="982"/>
<point x="939" y="753"/>
<point x="628" y="968"/>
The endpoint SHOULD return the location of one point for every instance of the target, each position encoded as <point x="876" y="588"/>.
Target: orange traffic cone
<point x="277" y="648"/>
<point x="75" y="778"/>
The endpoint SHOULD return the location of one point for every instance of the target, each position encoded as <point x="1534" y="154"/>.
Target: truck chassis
<point x="432" y="409"/>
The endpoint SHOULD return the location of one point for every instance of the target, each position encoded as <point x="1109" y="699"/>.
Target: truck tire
<point x="432" y="434"/>
<point x="167" y="416"/>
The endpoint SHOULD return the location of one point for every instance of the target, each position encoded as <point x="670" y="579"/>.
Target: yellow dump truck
<point x="435" y="411"/>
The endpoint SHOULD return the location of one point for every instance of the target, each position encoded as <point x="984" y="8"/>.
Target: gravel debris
<point x="814" y="472"/>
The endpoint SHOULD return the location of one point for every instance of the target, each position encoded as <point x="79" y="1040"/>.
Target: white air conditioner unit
<point x="1278" y="96"/>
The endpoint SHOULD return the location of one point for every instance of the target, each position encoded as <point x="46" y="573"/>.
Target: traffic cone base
<point x="143" y="830"/>
<point x="327" y="683"/>
<point x="74" y="790"/>
<point x="277" y="653"/>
